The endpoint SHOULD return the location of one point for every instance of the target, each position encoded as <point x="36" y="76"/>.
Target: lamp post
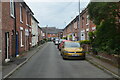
<point x="79" y="32"/>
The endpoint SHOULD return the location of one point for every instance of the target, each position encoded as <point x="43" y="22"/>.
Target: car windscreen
<point x="56" y="39"/>
<point x="61" y="40"/>
<point x="72" y="44"/>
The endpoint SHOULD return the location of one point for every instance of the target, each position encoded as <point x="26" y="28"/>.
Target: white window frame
<point x="21" y="16"/>
<point x="21" y="36"/>
<point x="12" y="8"/>
<point x="87" y="20"/>
<point x="26" y="18"/>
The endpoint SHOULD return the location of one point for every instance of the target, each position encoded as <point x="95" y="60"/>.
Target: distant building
<point x="39" y="34"/>
<point x="52" y="32"/>
<point x="34" y="26"/>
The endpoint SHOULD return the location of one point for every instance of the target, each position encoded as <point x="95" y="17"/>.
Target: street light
<point x="79" y="22"/>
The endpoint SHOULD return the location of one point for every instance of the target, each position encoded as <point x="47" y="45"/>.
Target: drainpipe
<point x="15" y="26"/>
<point x="79" y="22"/>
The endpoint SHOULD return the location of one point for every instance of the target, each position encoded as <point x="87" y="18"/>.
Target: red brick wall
<point x="83" y="23"/>
<point x="52" y="35"/>
<point x="0" y="33"/>
<point x="7" y="26"/>
<point x="26" y="40"/>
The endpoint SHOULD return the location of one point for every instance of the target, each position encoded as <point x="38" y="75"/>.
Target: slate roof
<point x="51" y="30"/>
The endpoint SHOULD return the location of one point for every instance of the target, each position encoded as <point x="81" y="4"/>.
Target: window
<point x="26" y="18"/>
<point x="82" y="34"/>
<point x="29" y="19"/>
<point x="87" y="20"/>
<point x="72" y="45"/>
<point x="21" y="14"/>
<point x="12" y="8"/>
<point x="82" y="23"/>
<point x="21" y="36"/>
<point x="75" y="25"/>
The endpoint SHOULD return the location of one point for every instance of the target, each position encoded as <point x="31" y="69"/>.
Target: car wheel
<point x="59" y="49"/>
<point x="83" y="58"/>
<point x="64" y="58"/>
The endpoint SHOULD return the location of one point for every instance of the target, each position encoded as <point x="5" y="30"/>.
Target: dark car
<point x="60" y="40"/>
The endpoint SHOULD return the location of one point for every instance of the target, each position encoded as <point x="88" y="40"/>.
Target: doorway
<point x="7" y="47"/>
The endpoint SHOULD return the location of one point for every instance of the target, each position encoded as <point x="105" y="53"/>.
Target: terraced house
<point x="23" y="27"/>
<point x="16" y="29"/>
<point x="8" y="30"/>
<point x="35" y="35"/>
<point x="86" y="25"/>
<point x="72" y="30"/>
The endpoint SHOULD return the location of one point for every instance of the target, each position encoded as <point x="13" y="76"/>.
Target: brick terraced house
<point x="8" y="30"/>
<point x="72" y="30"/>
<point x="16" y="29"/>
<point x="23" y="27"/>
<point x="86" y="25"/>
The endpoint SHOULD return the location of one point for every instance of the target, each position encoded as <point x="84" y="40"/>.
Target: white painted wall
<point x="34" y="27"/>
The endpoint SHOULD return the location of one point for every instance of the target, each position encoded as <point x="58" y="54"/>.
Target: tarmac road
<point x="48" y="63"/>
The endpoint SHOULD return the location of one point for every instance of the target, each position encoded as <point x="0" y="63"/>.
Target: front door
<point x="7" y="46"/>
<point x="17" y="45"/>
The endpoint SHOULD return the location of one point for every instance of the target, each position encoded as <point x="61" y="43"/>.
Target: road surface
<point x="47" y="63"/>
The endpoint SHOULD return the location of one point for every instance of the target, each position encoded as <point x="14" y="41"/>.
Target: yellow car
<point x="72" y="50"/>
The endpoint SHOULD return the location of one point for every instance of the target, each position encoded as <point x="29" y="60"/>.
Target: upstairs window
<point x="26" y="18"/>
<point x="12" y="8"/>
<point x="87" y="20"/>
<point x="21" y="13"/>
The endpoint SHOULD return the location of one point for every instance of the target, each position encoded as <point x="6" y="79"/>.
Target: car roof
<point x="66" y="41"/>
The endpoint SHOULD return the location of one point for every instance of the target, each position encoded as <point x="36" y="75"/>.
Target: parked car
<point x="72" y="50"/>
<point x="60" y="40"/>
<point x="55" y="38"/>
<point x="61" y="44"/>
<point x="56" y="41"/>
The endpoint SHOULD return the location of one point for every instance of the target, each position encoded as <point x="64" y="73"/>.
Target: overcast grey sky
<point x="55" y="14"/>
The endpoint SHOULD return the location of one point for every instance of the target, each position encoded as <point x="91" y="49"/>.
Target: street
<point x="48" y="63"/>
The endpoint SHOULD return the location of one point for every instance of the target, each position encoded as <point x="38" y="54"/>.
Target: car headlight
<point x="66" y="52"/>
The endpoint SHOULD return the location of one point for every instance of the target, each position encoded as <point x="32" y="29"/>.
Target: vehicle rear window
<point x="72" y="44"/>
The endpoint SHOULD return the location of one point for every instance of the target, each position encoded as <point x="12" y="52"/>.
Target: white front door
<point x="7" y="47"/>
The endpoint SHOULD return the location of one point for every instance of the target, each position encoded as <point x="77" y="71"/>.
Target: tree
<point x="105" y="15"/>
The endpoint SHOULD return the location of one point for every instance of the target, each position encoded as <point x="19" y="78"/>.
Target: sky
<point x="55" y="13"/>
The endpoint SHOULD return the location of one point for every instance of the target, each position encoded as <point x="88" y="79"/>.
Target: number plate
<point x="75" y="54"/>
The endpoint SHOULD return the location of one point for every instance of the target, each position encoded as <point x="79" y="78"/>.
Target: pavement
<point x="15" y="63"/>
<point x="47" y="63"/>
<point x="104" y="65"/>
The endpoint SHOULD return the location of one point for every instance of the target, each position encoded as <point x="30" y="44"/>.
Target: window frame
<point x="12" y="9"/>
<point x="21" y="13"/>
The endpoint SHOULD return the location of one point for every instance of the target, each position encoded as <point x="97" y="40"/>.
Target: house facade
<point x="86" y="25"/>
<point x="50" y="32"/>
<point x="34" y="26"/>
<point x="8" y="30"/>
<point x="39" y="35"/>
<point x="16" y="30"/>
<point x="72" y="30"/>
<point x="23" y="27"/>
<point x="0" y="33"/>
